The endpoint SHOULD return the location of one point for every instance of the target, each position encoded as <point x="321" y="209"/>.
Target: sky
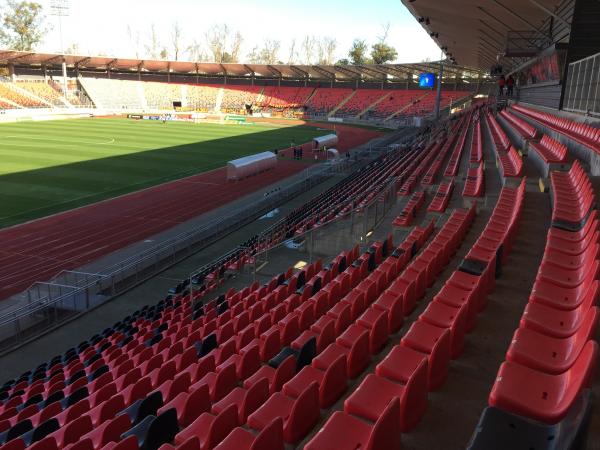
<point x="100" y="27"/>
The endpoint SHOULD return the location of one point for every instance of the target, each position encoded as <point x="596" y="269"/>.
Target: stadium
<point x="231" y="252"/>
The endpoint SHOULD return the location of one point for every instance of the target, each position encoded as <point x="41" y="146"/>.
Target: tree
<point x="308" y="49"/>
<point x="134" y="39"/>
<point x="254" y="56"/>
<point x="358" y="52"/>
<point x="293" y="53"/>
<point x="268" y="54"/>
<point x="382" y="52"/>
<point x="176" y="33"/>
<point x="342" y="62"/>
<point x="236" y="47"/>
<point x="153" y="46"/>
<point x="216" y="39"/>
<point x="196" y="52"/>
<point x="326" y="48"/>
<point x="22" y="25"/>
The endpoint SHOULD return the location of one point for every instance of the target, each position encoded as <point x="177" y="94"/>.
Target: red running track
<point x="39" y="250"/>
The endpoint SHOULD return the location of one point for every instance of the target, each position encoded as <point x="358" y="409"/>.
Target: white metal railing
<point x="582" y="90"/>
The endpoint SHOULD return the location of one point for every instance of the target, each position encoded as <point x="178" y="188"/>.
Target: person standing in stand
<point x="501" y="83"/>
<point x="510" y="85"/>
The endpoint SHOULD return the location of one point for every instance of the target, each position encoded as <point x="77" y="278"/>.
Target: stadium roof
<point x="300" y="71"/>
<point x="474" y="32"/>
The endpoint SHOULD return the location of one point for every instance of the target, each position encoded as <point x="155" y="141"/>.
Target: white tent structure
<point x="250" y="165"/>
<point x="329" y="140"/>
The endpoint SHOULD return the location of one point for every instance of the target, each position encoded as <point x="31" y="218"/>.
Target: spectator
<point x="510" y="84"/>
<point x="501" y="83"/>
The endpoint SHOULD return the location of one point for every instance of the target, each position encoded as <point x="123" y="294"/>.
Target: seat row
<point x="409" y="179"/>
<point x="501" y="141"/>
<point x="541" y="387"/>
<point x="510" y="163"/>
<point x="572" y="198"/>
<point x="431" y="174"/>
<point x="547" y="154"/>
<point x="409" y="212"/>
<point x="582" y="133"/>
<point x="454" y="161"/>
<point x="523" y="129"/>
<point x="442" y="197"/>
<point x="476" y="144"/>
<point x="550" y="150"/>
<point x="475" y="182"/>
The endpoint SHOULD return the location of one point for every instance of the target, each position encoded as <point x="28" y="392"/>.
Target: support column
<point x="438" y="94"/>
<point x="64" y="74"/>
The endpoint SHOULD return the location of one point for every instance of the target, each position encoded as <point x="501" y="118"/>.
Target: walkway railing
<point x="582" y="91"/>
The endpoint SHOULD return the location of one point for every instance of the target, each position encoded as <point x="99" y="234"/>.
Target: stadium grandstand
<point x="233" y="256"/>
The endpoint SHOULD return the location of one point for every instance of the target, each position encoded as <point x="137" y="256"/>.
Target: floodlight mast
<point x="60" y="9"/>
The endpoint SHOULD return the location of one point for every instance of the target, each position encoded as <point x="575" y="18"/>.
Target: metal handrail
<point x="582" y="92"/>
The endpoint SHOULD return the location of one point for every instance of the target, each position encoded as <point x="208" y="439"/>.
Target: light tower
<point x="60" y="9"/>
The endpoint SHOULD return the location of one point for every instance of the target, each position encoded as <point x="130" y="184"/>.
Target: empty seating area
<point x="475" y="182"/>
<point x="284" y="97"/>
<point x="236" y="98"/>
<point x="550" y="150"/>
<point x="581" y="133"/>
<point x="396" y="101"/>
<point x="360" y="101"/>
<point x="442" y="197"/>
<point x="362" y="349"/>
<point x="161" y="95"/>
<point x="114" y="94"/>
<point x="8" y="92"/>
<point x="325" y="99"/>
<point x="523" y="130"/>
<point x="510" y="163"/>
<point x="455" y="156"/>
<point x="542" y="388"/>
<point x="409" y="212"/>
<point x="43" y="90"/>
<point x="202" y="97"/>
<point x="476" y="144"/>
<point x="548" y="154"/>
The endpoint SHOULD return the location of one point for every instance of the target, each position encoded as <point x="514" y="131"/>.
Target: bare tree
<point x="134" y="40"/>
<point x="293" y="53"/>
<point x="196" y="52"/>
<point x="176" y="38"/>
<point x="236" y="47"/>
<point x="325" y="50"/>
<point x="268" y="54"/>
<point x="216" y="41"/>
<point x="308" y="49"/>
<point x="385" y="32"/>
<point x="153" y="46"/>
<point x="330" y="45"/>
<point x="254" y="56"/>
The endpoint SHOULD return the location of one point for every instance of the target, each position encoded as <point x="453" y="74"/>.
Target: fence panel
<point x="582" y="90"/>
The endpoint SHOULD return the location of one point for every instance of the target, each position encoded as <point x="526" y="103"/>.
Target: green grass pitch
<point x="48" y="167"/>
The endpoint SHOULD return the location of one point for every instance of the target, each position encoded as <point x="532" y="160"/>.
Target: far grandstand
<point x="381" y="94"/>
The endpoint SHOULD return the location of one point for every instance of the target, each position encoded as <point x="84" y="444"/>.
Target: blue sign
<point x="427" y="80"/>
